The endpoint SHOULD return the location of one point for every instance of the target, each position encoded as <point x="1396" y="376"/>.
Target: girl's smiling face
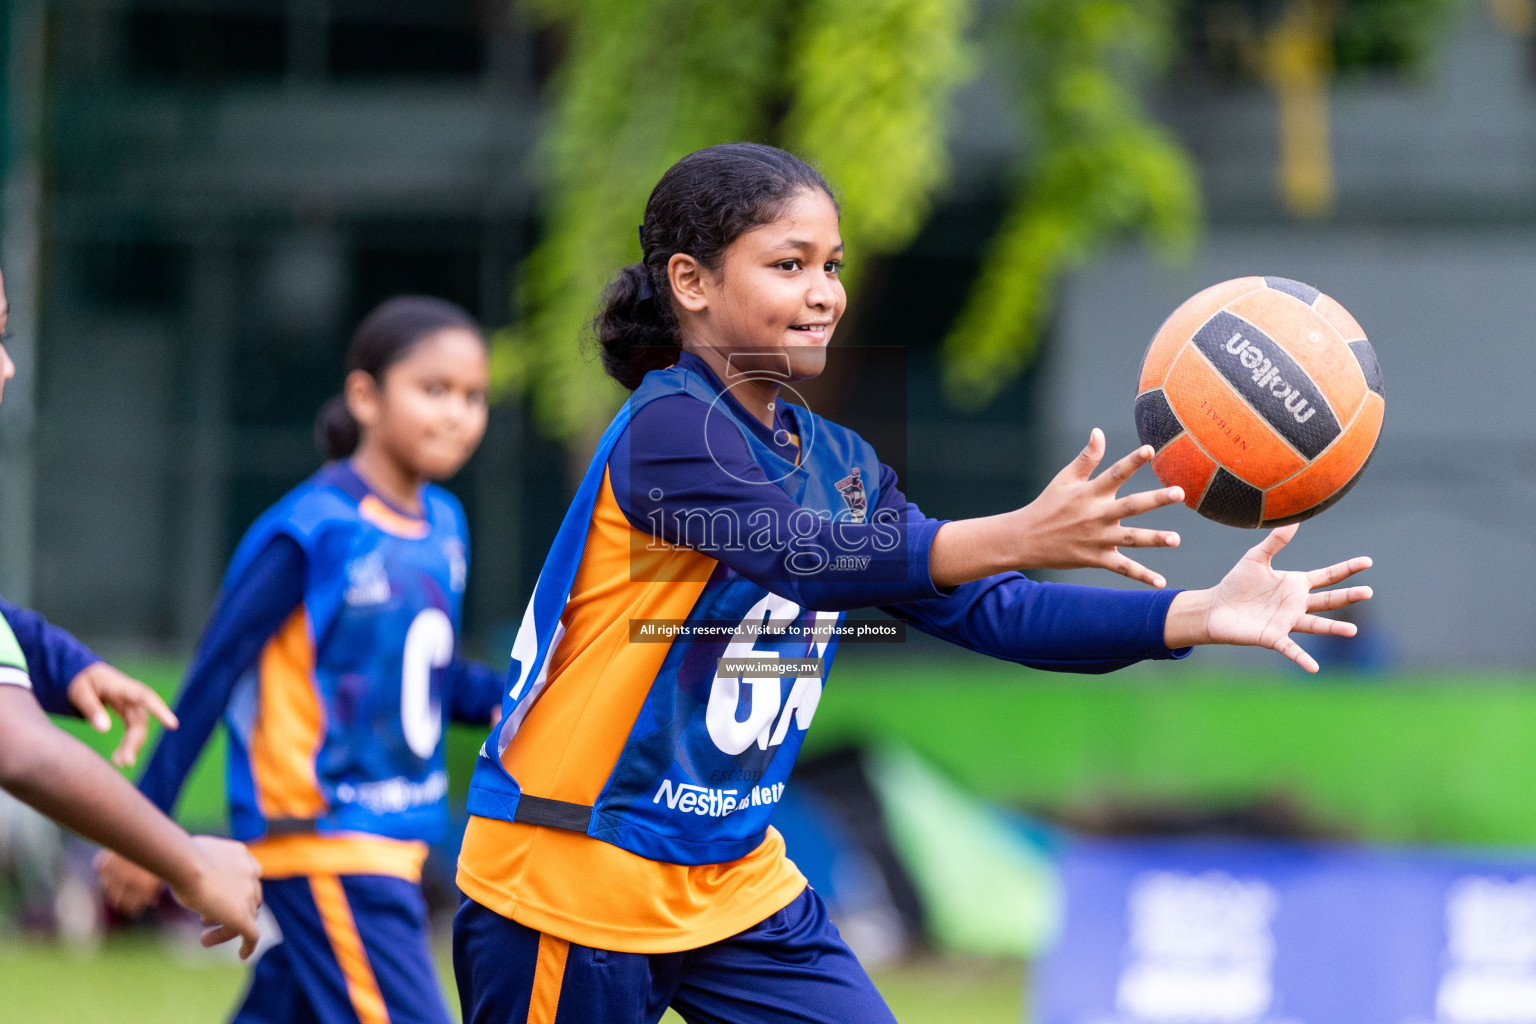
<point x="776" y="299"/>
<point x="429" y="413"/>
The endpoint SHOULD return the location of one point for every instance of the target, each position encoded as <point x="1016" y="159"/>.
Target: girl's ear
<point x="362" y="393"/>
<point x="688" y="285"/>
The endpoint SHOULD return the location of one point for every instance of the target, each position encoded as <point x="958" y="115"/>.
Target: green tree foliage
<point x="1099" y="167"/>
<point x="872" y="81"/>
<point x="642" y="83"/>
<point x="862" y="87"/>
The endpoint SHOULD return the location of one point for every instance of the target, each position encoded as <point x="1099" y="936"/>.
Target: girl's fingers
<point x="135" y="732"/>
<point x="212" y="936"/>
<point x="1339" y="571"/>
<point x="1291" y="649"/>
<point x="90" y="707"/>
<point x="1319" y="626"/>
<point x="1089" y="458"/>
<point x="1147" y="539"/>
<point x="1270" y="546"/>
<point x="1136" y="571"/>
<point x="1330" y="600"/>
<point x="1146" y="501"/>
<point x="157" y="707"/>
<point x="1111" y="479"/>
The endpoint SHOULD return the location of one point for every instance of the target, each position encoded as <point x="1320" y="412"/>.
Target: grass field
<point x="1436" y="758"/>
<point x="140" y="980"/>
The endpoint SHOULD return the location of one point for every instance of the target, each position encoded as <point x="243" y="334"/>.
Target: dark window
<point x="135" y="275"/>
<point x="381" y="49"/>
<point x="184" y="46"/>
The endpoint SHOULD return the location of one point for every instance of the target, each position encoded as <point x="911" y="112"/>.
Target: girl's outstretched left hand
<point x="1257" y="605"/>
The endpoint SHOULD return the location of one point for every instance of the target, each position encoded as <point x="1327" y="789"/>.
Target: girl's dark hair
<point x="701" y="205"/>
<point x="385" y="337"/>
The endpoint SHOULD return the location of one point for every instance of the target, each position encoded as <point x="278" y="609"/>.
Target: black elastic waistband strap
<point x="538" y="810"/>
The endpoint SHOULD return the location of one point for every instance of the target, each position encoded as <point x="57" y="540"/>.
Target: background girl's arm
<point x="68" y="678"/>
<point x="61" y="777"/>
<point x="248" y="612"/>
<point x="246" y="615"/>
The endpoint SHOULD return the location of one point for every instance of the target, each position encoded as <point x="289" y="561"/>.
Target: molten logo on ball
<point x="1265" y="375"/>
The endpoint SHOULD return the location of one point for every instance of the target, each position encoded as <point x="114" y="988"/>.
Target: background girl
<point x="619" y="858"/>
<point x="331" y="655"/>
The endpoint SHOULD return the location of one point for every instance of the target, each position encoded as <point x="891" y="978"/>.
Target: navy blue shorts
<point x="355" y="950"/>
<point x="793" y="968"/>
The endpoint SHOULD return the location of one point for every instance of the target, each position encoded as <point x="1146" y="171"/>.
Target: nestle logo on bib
<point x="714" y="803"/>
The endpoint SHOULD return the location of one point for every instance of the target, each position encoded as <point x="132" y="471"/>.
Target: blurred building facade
<point x="203" y="196"/>
<point x="222" y="190"/>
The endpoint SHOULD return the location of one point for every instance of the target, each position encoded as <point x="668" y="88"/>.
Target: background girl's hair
<point x="701" y="205"/>
<point x="385" y="337"/>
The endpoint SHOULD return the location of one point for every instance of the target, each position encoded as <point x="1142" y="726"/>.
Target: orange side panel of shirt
<point x="567" y="884"/>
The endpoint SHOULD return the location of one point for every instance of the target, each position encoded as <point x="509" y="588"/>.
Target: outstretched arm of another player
<point x="1075" y="523"/>
<point x="100" y="686"/>
<point x="1257" y="605"/>
<point x="64" y="779"/>
<point x="68" y="676"/>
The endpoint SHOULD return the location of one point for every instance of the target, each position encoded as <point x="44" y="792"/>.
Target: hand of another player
<point x="1075" y="522"/>
<point x="226" y="893"/>
<point x="129" y="889"/>
<point x="1257" y="605"/>
<point x="100" y="686"/>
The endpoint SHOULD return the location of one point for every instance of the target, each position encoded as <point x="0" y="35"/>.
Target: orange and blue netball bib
<point x="709" y="753"/>
<point x="338" y="726"/>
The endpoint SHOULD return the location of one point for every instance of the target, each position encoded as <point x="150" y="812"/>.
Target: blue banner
<point x="1238" y="933"/>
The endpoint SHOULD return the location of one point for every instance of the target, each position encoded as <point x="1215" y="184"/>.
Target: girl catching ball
<point x="332" y="657"/>
<point x="619" y="857"/>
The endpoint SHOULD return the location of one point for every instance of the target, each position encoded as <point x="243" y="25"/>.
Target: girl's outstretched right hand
<point x="1075" y="523"/>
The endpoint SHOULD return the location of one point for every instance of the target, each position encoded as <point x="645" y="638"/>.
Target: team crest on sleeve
<point x="851" y="487"/>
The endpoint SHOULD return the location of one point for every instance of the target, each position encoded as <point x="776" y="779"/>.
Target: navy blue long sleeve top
<point x="677" y="466"/>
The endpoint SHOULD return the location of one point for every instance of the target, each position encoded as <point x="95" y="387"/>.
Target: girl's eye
<point x="787" y="265"/>
<point x="834" y="267"/>
<point x="436" y="389"/>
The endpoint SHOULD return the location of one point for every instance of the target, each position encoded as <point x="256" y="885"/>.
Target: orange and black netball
<point x="1263" y="400"/>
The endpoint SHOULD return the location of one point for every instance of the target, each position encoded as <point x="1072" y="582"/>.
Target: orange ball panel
<point x="1182" y="324"/>
<point x="1181" y="463"/>
<point x="1337" y="315"/>
<point x="1333" y="468"/>
<point x="1295" y="325"/>
<point x="1236" y="436"/>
